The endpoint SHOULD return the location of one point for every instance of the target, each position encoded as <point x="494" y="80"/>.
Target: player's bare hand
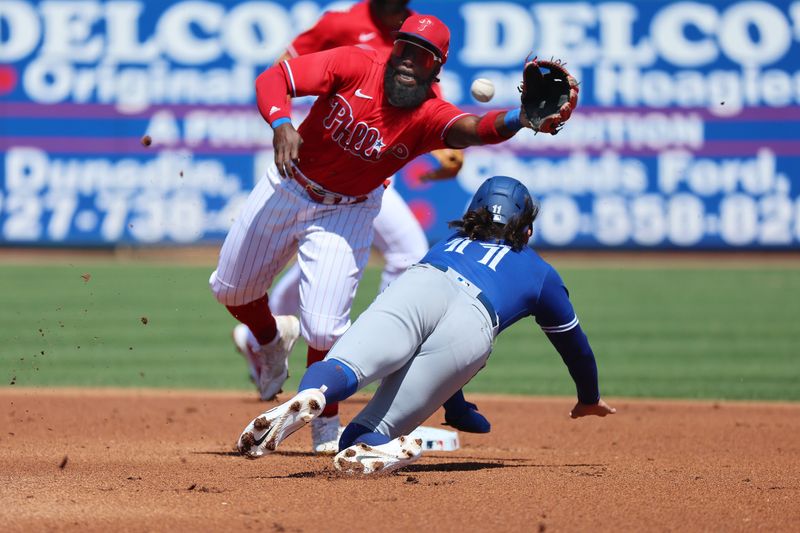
<point x="286" y="141"/>
<point x="600" y="408"/>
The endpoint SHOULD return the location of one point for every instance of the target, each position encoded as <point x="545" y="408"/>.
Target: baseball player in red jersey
<point x="397" y="233"/>
<point x="370" y="23"/>
<point x="318" y="200"/>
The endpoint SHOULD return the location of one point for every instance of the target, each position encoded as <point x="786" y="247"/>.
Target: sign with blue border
<point x="687" y="135"/>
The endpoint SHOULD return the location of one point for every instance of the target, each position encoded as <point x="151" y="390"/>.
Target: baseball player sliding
<point x="437" y="325"/>
<point x="319" y="199"/>
<point x="397" y="233"/>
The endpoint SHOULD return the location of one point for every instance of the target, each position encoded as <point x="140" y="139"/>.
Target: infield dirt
<point x="127" y="460"/>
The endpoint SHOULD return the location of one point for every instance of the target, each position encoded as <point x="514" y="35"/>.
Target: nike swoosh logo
<point x="262" y="439"/>
<point x="364" y="37"/>
<point x="362" y="95"/>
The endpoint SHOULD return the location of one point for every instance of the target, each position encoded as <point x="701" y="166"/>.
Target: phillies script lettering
<point x="359" y="139"/>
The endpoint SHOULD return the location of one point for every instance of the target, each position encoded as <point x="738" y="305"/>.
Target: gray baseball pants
<point x="425" y="336"/>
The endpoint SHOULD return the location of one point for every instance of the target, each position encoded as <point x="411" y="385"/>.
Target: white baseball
<point x="482" y="90"/>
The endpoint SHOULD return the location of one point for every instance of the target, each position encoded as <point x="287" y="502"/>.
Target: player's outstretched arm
<point x="492" y="128"/>
<point x="600" y="408"/>
<point x="558" y="320"/>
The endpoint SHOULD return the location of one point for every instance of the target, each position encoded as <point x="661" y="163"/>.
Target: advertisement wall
<point x="687" y="134"/>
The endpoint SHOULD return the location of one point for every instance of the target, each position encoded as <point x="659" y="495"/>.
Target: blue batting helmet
<point x="504" y="197"/>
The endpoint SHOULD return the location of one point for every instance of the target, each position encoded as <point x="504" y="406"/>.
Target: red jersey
<point x="353" y="138"/>
<point x="356" y="26"/>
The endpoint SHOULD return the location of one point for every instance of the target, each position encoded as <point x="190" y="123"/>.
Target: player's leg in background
<point x="258" y="245"/>
<point x="333" y="251"/>
<point x="284" y="298"/>
<point x="398" y="236"/>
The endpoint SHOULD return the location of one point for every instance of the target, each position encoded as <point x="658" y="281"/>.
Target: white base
<point x="436" y="439"/>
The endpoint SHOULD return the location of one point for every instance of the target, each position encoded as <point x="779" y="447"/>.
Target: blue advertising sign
<point x="687" y="134"/>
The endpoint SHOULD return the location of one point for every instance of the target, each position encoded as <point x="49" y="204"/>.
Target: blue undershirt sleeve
<point x="573" y="346"/>
<point x="553" y="311"/>
<point x="557" y="318"/>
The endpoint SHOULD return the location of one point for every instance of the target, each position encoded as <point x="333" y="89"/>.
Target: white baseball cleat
<point x="268" y="364"/>
<point x="365" y="459"/>
<point x="265" y="432"/>
<point x="325" y="433"/>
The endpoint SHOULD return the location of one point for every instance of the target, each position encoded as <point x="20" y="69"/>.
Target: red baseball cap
<point x="429" y="32"/>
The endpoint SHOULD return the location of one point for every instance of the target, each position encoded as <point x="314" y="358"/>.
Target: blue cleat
<point x="464" y="416"/>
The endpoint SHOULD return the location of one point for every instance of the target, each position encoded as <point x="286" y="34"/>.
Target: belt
<point x="318" y="194"/>
<point x="480" y="296"/>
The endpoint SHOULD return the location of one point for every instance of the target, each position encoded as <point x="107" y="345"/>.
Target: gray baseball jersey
<point x="398" y="236"/>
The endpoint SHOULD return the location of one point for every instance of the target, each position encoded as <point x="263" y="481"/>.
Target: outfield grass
<point x="671" y="332"/>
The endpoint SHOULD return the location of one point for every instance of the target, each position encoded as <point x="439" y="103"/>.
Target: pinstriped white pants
<point x="398" y="236"/>
<point x="332" y="243"/>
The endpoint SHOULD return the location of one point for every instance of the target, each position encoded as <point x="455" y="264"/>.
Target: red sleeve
<point x="271" y="95"/>
<point x="323" y="72"/>
<point x="316" y="38"/>
<point x="312" y="74"/>
<point x="440" y="116"/>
